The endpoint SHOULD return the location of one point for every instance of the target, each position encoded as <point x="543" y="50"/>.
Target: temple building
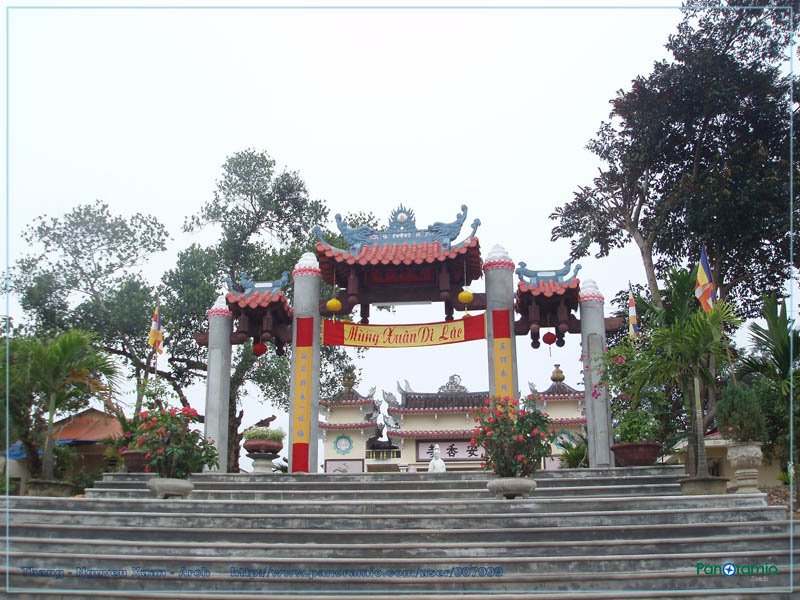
<point x="419" y="421"/>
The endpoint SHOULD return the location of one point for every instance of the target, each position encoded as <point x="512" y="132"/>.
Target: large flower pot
<point x="636" y="454"/>
<point x="263" y="446"/>
<point x="745" y="458"/>
<point x="169" y="487"/>
<point x="511" y="487"/>
<point x="134" y="461"/>
<point x="49" y="487"/>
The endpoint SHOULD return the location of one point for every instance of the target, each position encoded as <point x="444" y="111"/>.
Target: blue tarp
<point x="17" y="450"/>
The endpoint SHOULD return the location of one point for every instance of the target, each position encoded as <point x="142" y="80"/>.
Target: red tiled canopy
<point x="258" y="300"/>
<point x="396" y="255"/>
<point x="551" y="288"/>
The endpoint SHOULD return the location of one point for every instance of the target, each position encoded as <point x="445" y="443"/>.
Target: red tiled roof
<point x="364" y="425"/>
<point x="433" y="411"/>
<point x="401" y="254"/>
<point x="549" y="288"/>
<point x="570" y="421"/>
<point x="89" y="426"/>
<point x="435" y="434"/>
<point x="258" y="300"/>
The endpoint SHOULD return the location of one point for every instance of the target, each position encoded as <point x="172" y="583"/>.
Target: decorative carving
<point x="250" y="286"/>
<point x="557" y="275"/>
<point x="449" y="231"/>
<point x="453" y="385"/>
<point x="355" y="236"/>
<point x="401" y="229"/>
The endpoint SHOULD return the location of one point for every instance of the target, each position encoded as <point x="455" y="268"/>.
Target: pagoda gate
<point x="405" y="264"/>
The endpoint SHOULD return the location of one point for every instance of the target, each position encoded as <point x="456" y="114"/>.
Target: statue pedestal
<point x="262" y="461"/>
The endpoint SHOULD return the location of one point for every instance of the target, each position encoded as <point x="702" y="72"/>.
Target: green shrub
<point x="739" y="414"/>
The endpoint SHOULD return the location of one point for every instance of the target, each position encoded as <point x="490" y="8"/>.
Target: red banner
<point x="341" y="333"/>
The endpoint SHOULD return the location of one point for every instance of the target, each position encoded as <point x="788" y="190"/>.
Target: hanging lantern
<point x="334" y="305"/>
<point x="465" y="297"/>
<point x="549" y="338"/>
<point x="259" y="348"/>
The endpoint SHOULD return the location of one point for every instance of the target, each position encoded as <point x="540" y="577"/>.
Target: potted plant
<point x="172" y="449"/>
<point x="514" y="441"/>
<point x="264" y="439"/>
<point x="636" y="433"/>
<point x="742" y="421"/>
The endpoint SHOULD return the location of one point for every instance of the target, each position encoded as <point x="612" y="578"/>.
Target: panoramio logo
<point x="729" y="569"/>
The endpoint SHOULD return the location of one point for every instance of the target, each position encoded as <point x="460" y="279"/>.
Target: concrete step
<point x="377" y="574"/>
<point x="608" y="533"/>
<point x="389" y="522"/>
<point x="267" y="492"/>
<point x="761" y="592"/>
<point x="419" y="506"/>
<point x="556" y="536"/>
<point x="653" y="546"/>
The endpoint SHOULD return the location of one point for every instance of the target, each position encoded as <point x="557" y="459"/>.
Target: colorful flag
<point x="704" y="289"/>
<point x="156" y="337"/>
<point x="633" y="320"/>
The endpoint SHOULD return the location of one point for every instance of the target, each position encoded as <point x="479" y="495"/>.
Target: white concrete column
<point x="593" y="344"/>
<point x="501" y="345"/>
<point x="304" y="390"/>
<point x="218" y="384"/>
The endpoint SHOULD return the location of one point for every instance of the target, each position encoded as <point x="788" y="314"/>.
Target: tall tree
<point x="264" y="220"/>
<point x="696" y="153"/>
<point x="84" y="272"/>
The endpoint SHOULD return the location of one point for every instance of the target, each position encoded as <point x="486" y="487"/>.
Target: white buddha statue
<point x="437" y="464"/>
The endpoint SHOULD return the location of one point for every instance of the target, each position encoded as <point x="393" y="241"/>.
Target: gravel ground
<point x="779" y="496"/>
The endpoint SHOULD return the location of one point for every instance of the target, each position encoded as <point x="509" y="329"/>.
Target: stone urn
<point x="170" y="487"/>
<point x="134" y="461"/>
<point x="636" y="454"/>
<point x="511" y="487"/>
<point x="263" y="446"/>
<point x="745" y="458"/>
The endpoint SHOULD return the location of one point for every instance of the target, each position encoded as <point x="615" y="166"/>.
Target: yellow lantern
<point x="465" y="297"/>
<point x="334" y="305"/>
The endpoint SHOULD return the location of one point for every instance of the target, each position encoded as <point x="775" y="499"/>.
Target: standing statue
<point x="383" y="421"/>
<point x="437" y="464"/>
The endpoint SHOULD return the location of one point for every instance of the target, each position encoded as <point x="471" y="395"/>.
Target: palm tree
<point x="65" y="369"/>
<point x="775" y="359"/>
<point x="685" y="353"/>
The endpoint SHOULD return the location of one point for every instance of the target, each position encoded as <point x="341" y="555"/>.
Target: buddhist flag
<point x="156" y="337"/>
<point x="633" y="320"/>
<point x="704" y="288"/>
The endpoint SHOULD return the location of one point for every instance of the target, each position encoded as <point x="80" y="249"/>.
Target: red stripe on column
<point x="333" y="333"/>
<point x="305" y="332"/>
<point x="299" y="458"/>
<point x="501" y="324"/>
<point x="475" y="328"/>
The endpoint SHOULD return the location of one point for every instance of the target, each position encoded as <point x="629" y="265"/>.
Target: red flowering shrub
<point x="171" y="447"/>
<point x="514" y="439"/>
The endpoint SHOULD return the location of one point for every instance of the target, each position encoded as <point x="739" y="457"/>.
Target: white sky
<point x="374" y="107"/>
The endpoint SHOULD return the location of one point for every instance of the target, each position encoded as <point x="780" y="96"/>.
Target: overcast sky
<point x="373" y="107"/>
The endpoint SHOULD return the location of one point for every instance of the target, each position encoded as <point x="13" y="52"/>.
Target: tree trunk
<point x="702" y="460"/>
<point x="646" y="250"/>
<point x="48" y="458"/>
<point x="691" y="442"/>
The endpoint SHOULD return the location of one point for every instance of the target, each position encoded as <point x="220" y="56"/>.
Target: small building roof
<point x="258" y="300"/>
<point x="91" y="425"/>
<point x="550" y="288"/>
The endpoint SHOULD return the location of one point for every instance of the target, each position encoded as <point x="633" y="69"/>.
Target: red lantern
<point x="549" y="337"/>
<point x="260" y="348"/>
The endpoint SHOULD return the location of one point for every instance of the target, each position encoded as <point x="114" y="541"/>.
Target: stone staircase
<point x="587" y="533"/>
